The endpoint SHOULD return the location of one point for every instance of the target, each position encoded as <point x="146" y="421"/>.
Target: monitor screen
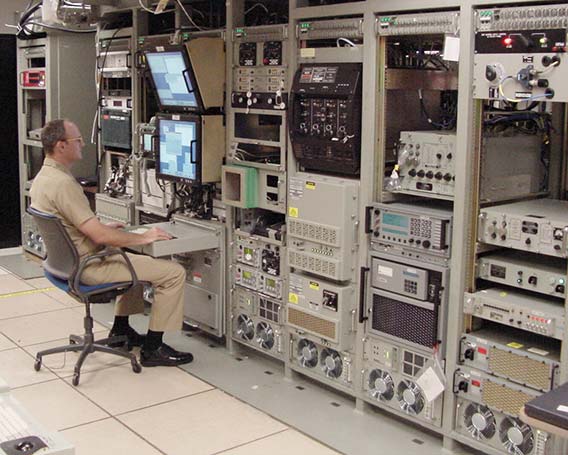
<point x="176" y="152"/>
<point x="171" y="79"/>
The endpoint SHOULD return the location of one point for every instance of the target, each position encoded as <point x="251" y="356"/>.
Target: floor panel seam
<point x="251" y="441"/>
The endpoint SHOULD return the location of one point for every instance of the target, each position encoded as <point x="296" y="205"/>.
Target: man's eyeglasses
<point x="72" y="139"/>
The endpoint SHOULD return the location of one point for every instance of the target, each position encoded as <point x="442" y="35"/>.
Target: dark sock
<point x="120" y="326"/>
<point x="153" y="340"/>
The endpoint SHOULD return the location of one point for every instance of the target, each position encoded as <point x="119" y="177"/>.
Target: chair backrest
<point x="62" y="257"/>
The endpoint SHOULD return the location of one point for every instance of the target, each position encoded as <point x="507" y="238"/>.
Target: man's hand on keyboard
<point x="151" y="235"/>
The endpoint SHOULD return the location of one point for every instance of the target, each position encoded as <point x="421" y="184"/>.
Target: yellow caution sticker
<point x="293" y="298"/>
<point x="315" y="286"/>
<point x="293" y="212"/>
<point x="515" y="345"/>
<point x="310" y="185"/>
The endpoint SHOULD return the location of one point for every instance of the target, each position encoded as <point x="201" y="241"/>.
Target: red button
<point x="482" y="351"/>
<point x="476" y="383"/>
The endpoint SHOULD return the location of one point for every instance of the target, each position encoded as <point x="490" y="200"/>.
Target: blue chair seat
<point x="63" y="284"/>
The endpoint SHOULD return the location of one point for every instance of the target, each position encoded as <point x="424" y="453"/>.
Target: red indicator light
<point x="507" y="41"/>
<point x="482" y="351"/>
<point x="476" y="383"/>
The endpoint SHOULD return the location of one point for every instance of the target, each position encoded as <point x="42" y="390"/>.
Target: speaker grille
<point x="313" y="264"/>
<point x="503" y="398"/>
<point x="312" y="324"/>
<point x="312" y="231"/>
<point x="409" y="322"/>
<point x="520" y="369"/>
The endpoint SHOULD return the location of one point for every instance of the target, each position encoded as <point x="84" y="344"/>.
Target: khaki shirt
<point x="55" y="191"/>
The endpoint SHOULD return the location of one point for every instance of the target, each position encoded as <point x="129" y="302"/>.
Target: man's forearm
<point x="119" y="238"/>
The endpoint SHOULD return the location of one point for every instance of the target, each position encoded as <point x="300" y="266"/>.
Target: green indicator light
<point x="239" y="30"/>
<point x="305" y="25"/>
<point x="561" y="281"/>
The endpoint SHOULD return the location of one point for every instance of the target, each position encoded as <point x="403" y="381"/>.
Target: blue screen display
<point x="175" y="149"/>
<point x="171" y="82"/>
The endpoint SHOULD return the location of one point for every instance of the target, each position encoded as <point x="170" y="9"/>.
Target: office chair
<point x="63" y="268"/>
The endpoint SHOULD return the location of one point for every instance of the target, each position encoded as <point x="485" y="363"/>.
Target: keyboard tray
<point x="187" y="238"/>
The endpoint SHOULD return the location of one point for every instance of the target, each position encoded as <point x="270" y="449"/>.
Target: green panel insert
<point x="240" y="186"/>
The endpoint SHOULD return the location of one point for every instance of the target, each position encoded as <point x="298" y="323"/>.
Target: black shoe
<point x="164" y="356"/>
<point x="133" y="339"/>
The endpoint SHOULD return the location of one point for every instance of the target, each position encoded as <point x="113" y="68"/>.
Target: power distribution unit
<point x="322" y="225"/>
<point x="494" y="392"/>
<point x="525" y="359"/>
<point x="322" y="309"/>
<point x="389" y="378"/>
<point x="537" y="226"/>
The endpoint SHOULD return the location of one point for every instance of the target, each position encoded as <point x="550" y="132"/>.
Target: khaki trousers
<point x="167" y="278"/>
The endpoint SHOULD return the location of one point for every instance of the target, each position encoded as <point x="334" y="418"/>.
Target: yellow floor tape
<point x="31" y="291"/>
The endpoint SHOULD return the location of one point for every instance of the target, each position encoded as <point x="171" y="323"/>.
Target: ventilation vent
<point x="313" y="324"/>
<point x="520" y="369"/>
<point x="503" y="398"/>
<point x="316" y="265"/>
<point x="403" y="320"/>
<point x="311" y="231"/>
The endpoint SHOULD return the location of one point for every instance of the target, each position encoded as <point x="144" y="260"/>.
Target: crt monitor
<point x="173" y="80"/>
<point x="178" y="152"/>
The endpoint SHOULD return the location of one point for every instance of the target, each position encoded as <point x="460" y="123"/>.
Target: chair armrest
<point x="75" y="281"/>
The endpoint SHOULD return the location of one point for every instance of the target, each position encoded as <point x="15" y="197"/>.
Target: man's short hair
<point x="51" y="134"/>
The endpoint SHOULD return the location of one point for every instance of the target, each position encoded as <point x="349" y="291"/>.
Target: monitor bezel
<point x="194" y="118"/>
<point x="162" y="48"/>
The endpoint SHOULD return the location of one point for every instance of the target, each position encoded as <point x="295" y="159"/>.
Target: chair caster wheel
<point x="75" y="380"/>
<point x="136" y="367"/>
<point x="37" y="364"/>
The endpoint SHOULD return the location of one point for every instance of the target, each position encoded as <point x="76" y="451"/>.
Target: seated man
<point x="55" y="191"/>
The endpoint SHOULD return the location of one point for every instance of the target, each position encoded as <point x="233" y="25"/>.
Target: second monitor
<point x="191" y="148"/>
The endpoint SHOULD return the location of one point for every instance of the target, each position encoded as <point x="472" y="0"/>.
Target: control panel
<point x="408" y="278"/>
<point x="323" y="309"/>
<point x="515" y="309"/>
<point x="259" y="254"/>
<point x="526" y="360"/>
<point x="322" y="237"/>
<point x="537" y="226"/>
<point x="445" y="22"/>
<point x="520" y="53"/>
<point x="426" y="160"/>
<point x="254" y="279"/>
<point x="260" y="67"/>
<point x="525" y="271"/>
<point x="325" y="129"/>
<point x="411" y="227"/>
